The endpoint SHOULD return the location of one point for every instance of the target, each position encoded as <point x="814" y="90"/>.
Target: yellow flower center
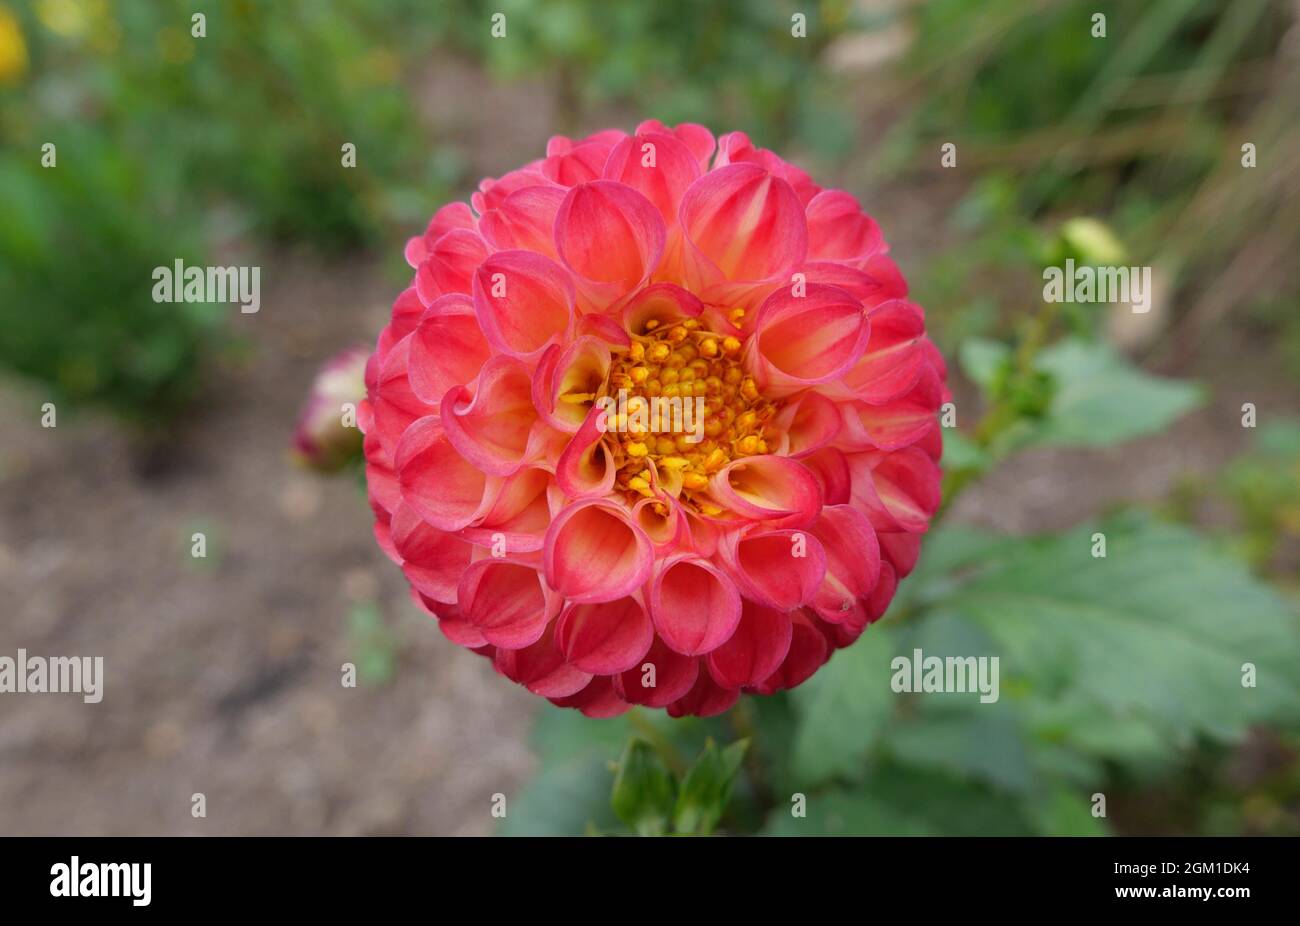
<point x="683" y="400"/>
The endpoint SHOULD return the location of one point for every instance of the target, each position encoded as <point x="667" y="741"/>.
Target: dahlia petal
<point x="492" y="193"/>
<point x="609" y="233"/>
<point x="407" y="309"/>
<point x="524" y="302"/>
<point x="893" y="360"/>
<point x="577" y="371"/>
<point x="586" y="467"/>
<point x="838" y="229"/>
<point x="519" y="516"/>
<point x="598" y="700"/>
<point x="782" y="569"/>
<point x="450" y="266"/>
<point x="541" y="668"/>
<point x="809" y="423"/>
<point x="604" y="638"/>
<point x="665" y="303"/>
<point x="766" y="487"/>
<point x="441" y="486"/>
<point x="755" y="650"/>
<point x="883" y="593"/>
<point x="901" y="551"/>
<point x="432" y="560"/>
<point x="525" y="220"/>
<point x="897" y="491"/>
<point x="805" y="337"/>
<point x="593" y="552"/>
<point x="695" y="607"/>
<point x="897" y="423"/>
<point x="394" y="404"/>
<point x="830" y="468"/>
<point x="746" y="222"/>
<point x="673" y="677"/>
<point x="490" y="424"/>
<point x="580" y="164"/>
<point x="506" y="600"/>
<point x="447" y="348"/>
<point x="705" y="699"/>
<point x="809" y="651"/>
<point x="656" y="165"/>
<point x="852" y="561"/>
<point x="698" y="139"/>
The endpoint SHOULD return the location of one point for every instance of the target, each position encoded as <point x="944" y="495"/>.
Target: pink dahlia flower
<point x="654" y="424"/>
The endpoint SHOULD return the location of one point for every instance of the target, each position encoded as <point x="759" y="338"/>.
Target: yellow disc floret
<point x="680" y="397"/>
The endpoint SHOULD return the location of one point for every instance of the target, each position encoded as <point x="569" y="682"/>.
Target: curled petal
<point x="447" y="348"/>
<point x="541" y="668"/>
<point x="609" y="233"/>
<point x="755" y="650"/>
<point x="901" y="550"/>
<point x="766" y="487"/>
<point x="393" y="403"/>
<point x="695" y="607"/>
<point x="895" y="424"/>
<point x="450" y="265"/>
<point x="658" y="166"/>
<point x="877" y="280"/>
<point x="580" y="164"/>
<point x="746" y="222"/>
<point x="664" y="303"/>
<point x="490" y="424"/>
<point x="808" y="652"/>
<point x="586" y="467"/>
<point x="661" y="678"/>
<point x="664" y="523"/>
<point x="897" y="491"/>
<point x="698" y="139"/>
<point x="525" y="220"/>
<point x="492" y="193"/>
<point x="565" y="388"/>
<point x="705" y="699"/>
<point x="524" y="302"/>
<point x="519" y="517"/>
<point x="804" y="336"/>
<point x="593" y="552"/>
<point x="441" y="486"/>
<point x="831" y="470"/>
<point x="432" y="560"/>
<point x="506" y="600"/>
<point x="452" y="215"/>
<point x="809" y="423"/>
<point x="838" y="229"/>
<point x="781" y="569"/>
<point x="852" y="561"/>
<point x="606" y="637"/>
<point x="598" y="700"/>
<point x="893" y="360"/>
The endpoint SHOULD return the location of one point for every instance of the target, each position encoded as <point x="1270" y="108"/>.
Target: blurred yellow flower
<point x="13" y="50"/>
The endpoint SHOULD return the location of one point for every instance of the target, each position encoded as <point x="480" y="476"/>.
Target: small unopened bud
<point x="327" y="437"/>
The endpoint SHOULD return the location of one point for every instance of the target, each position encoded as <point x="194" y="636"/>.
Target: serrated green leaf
<point x="706" y="788"/>
<point x="1102" y="399"/>
<point x="1160" y="628"/>
<point x="644" y="792"/>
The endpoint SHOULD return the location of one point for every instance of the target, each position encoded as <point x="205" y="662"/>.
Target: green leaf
<point x="898" y="801"/>
<point x="842" y="710"/>
<point x="570" y="793"/>
<point x="643" y="796"/>
<point x="706" y="788"/>
<point x="1159" y="629"/>
<point x="1102" y="399"/>
<point x="981" y="742"/>
<point x="981" y="359"/>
